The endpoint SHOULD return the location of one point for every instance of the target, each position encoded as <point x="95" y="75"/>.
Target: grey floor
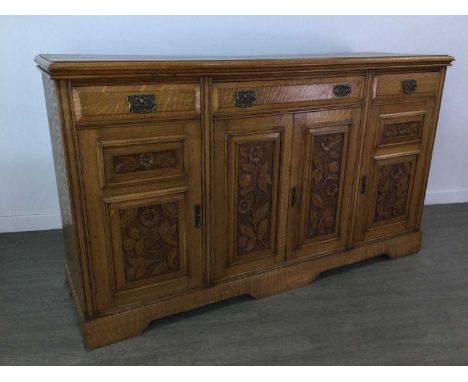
<point x="411" y="311"/>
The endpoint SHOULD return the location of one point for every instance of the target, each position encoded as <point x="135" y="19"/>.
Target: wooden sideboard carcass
<point x="185" y="181"/>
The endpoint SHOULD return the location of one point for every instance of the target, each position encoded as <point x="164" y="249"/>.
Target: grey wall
<point x="28" y="196"/>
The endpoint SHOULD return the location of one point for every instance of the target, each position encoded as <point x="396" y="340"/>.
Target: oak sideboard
<point x="185" y="181"/>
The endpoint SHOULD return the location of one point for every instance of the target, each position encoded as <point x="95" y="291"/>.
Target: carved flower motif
<point x="255" y="154"/>
<point x="327" y="143"/>
<point x="149" y="217"/>
<point x="403" y="129"/>
<point x="245" y="181"/>
<point x="333" y="167"/>
<point x="317" y="175"/>
<point x="396" y="172"/>
<point x="146" y="160"/>
<point x="332" y="189"/>
<point x="244" y="206"/>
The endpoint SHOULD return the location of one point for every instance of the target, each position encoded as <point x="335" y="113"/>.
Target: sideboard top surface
<point x="71" y="66"/>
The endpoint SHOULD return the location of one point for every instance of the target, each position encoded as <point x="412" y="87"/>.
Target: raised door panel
<point x="251" y="169"/>
<point x="142" y="189"/>
<point x="392" y="175"/>
<point x="323" y="168"/>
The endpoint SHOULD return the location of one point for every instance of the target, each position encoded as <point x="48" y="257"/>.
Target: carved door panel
<point x="393" y="173"/>
<point x="250" y="178"/>
<point x="322" y="173"/>
<point x="143" y="189"/>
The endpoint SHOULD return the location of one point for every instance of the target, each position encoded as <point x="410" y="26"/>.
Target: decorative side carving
<point x="392" y="192"/>
<point x="144" y="161"/>
<point x="254" y="193"/>
<point x="324" y="184"/>
<point x="401" y="130"/>
<point x="150" y="240"/>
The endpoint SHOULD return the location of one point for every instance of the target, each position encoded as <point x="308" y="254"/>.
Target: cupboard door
<point x="250" y="182"/>
<point x="322" y="173"/>
<point x="142" y="189"/>
<point x="392" y="175"/>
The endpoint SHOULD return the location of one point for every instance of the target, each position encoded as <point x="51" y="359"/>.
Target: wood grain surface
<point x="243" y="176"/>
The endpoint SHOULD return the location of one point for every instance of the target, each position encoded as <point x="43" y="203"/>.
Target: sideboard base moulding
<point x="106" y="330"/>
<point x="183" y="182"/>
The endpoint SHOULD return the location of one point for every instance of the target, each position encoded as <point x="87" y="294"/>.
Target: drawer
<point x="405" y="85"/>
<point x="232" y="97"/>
<point x="135" y="102"/>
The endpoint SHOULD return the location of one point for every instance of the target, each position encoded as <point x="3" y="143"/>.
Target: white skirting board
<point x="38" y="222"/>
<point x="446" y="197"/>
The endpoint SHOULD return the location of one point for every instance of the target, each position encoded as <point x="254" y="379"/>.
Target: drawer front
<point x="405" y="85"/>
<point x="135" y="102"/>
<point x="233" y="97"/>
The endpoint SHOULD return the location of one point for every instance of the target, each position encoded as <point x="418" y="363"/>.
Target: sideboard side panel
<point x="430" y="145"/>
<point x="74" y="266"/>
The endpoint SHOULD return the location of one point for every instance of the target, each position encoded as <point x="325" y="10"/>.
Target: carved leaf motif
<point x="134" y="232"/>
<point x="262" y="228"/>
<point x="261" y="212"/>
<point x="242" y="241"/>
<point x="392" y="190"/>
<point x="167" y="159"/>
<point x="250" y="244"/>
<point x="244" y="151"/>
<point x="170" y="209"/>
<point x="172" y="256"/>
<point x="150" y="245"/>
<point x="248" y="167"/>
<point x="254" y="196"/>
<point x="264" y="169"/>
<point x="129" y="245"/>
<point x="327" y="151"/>
<point x="317" y="200"/>
<point x="140" y="247"/>
<point x="247" y="231"/>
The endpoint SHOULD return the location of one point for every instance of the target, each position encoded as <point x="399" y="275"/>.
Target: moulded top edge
<point x="103" y="64"/>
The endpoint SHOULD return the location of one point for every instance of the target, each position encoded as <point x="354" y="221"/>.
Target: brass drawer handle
<point x="245" y="98"/>
<point x="342" y="90"/>
<point x="141" y="103"/>
<point x="409" y="86"/>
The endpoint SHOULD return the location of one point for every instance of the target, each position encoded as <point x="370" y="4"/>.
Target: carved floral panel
<point x="401" y="131"/>
<point x="254" y="196"/>
<point x="392" y="192"/>
<point x="150" y="240"/>
<point x="327" y="157"/>
<point x="145" y="161"/>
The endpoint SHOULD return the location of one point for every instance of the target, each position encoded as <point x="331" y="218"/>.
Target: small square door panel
<point x="141" y="160"/>
<point x="400" y="128"/>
